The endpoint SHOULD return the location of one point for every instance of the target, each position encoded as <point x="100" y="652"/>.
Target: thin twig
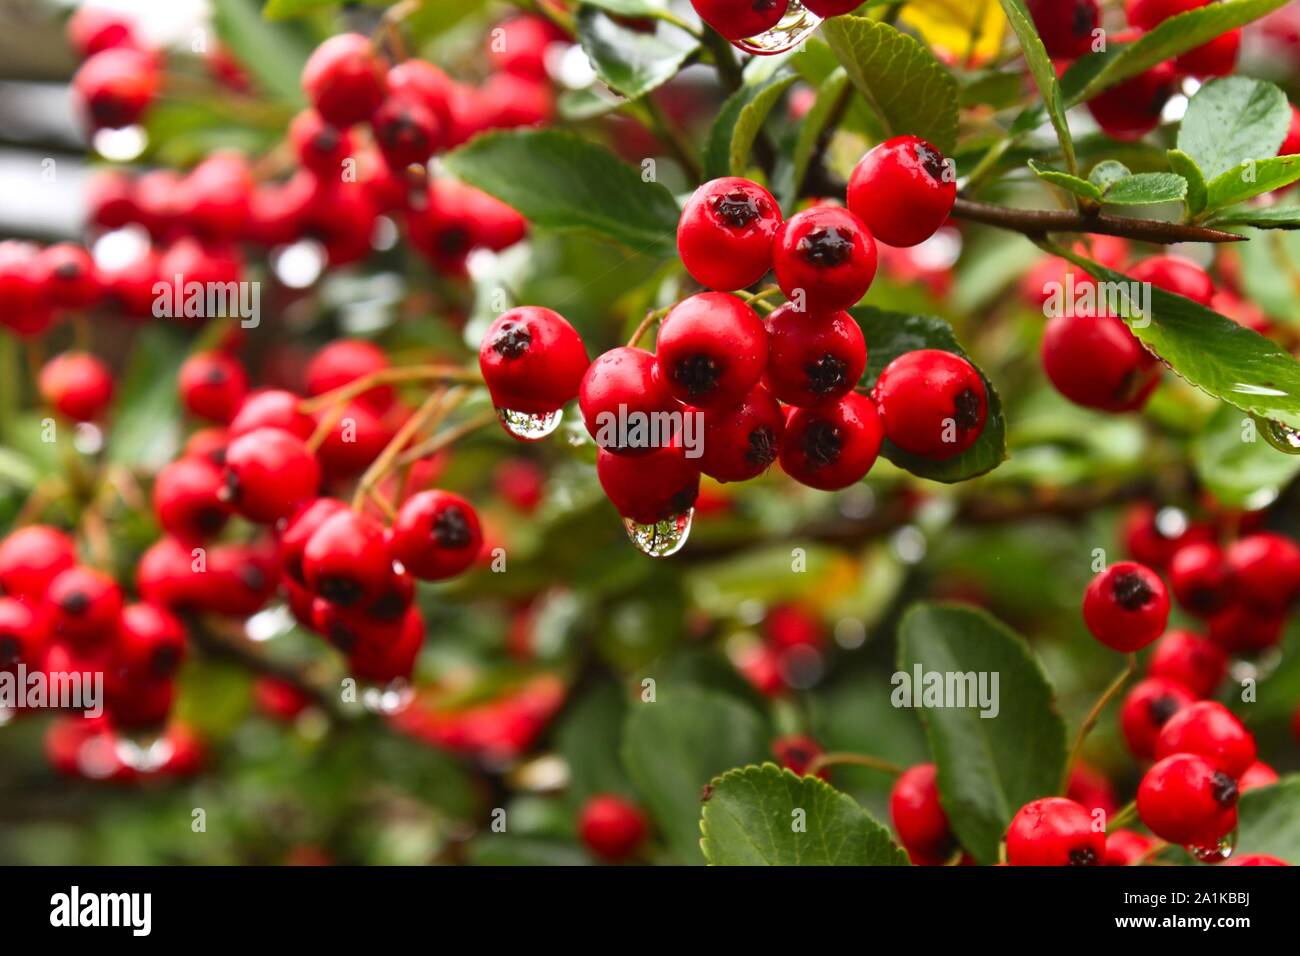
<point x="1094" y="715"/>
<point x="1036" y="223"/>
<point x="823" y="761"/>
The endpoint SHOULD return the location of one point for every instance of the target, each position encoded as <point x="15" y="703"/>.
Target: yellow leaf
<point x="968" y="31"/>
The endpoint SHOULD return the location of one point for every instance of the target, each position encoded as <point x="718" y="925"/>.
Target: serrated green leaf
<point x="273" y="52"/>
<point x="1073" y="184"/>
<point x="738" y="124"/>
<point x="988" y="768"/>
<point x="633" y="62"/>
<point x="1043" y="71"/>
<point x="1108" y="171"/>
<point x="830" y="96"/>
<point x="1185" y="166"/>
<point x="1237" y="465"/>
<point x="1178" y="34"/>
<point x="674" y="746"/>
<point x="561" y="181"/>
<point x="1212" y="352"/>
<point x="1270" y="820"/>
<point x="899" y="77"/>
<point x="767" y="816"/>
<point x="889" y="335"/>
<point x="1232" y="120"/>
<point x="1272" y="217"/>
<point x="1146" y="188"/>
<point x="1251" y="179"/>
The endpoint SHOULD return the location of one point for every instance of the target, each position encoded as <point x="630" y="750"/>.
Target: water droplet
<point x="145" y="751"/>
<point x="388" y="699"/>
<point x="1216" y="853"/>
<point x="796" y="26"/>
<point x="1282" y="437"/>
<point x="529" y="426"/>
<point x="662" y="539"/>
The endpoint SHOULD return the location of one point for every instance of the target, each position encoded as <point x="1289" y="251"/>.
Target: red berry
<point x="1132" y="109"/>
<point x="32" y="557"/>
<point x="272" y="408"/>
<point x="1095" y="361"/>
<point x="813" y="357"/>
<point x="624" y="387"/>
<point x="166" y="575"/>
<point x="796" y="752"/>
<point x="346" y="561"/>
<point x="831" y="8"/>
<point x="77" y="385"/>
<point x="213" y="385"/>
<point x="92" y="30"/>
<point x="1154" y="537"/>
<point x="382" y="662"/>
<point x="1054" y="831"/>
<point x="918" y="816"/>
<point x="319" y="146"/>
<point x="436" y="535"/>
<point x="344" y="79"/>
<point x="511" y="101"/>
<point x="343" y="362"/>
<point x="724" y="236"/>
<point x="834" y="445"/>
<point x="1201" y="578"/>
<point x="1126" y="606"/>
<point x="187" y="499"/>
<point x="150" y="643"/>
<point x="22" y="635"/>
<point x="1291" y="145"/>
<point x="1149" y="14"/>
<point x="277" y="212"/>
<point x="738" y="19"/>
<point x="1216" y="58"/>
<point x="519" y="44"/>
<point x="532" y="360"/>
<point x="214" y="204"/>
<point x="1256" y="859"/>
<point x="1066" y="27"/>
<point x="357" y="438"/>
<point x="825" y="259"/>
<point x="1258" y="774"/>
<point x="647" y="489"/>
<point x="1265" y="570"/>
<point x="67" y="276"/>
<point x="299" y="530"/>
<point x="1126" y="847"/>
<point x="1242" y="629"/>
<point x="115" y="87"/>
<point x="424" y="82"/>
<point x="1184" y="799"/>
<point x="932" y="403"/>
<point x="740" y="442"/>
<point x="1189" y="659"/>
<point x="1091" y="789"/>
<point x="611" y="827"/>
<point x="407" y="131"/>
<point x="85" y="605"/>
<point x="243" y="578"/>
<point x="902" y="190"/>
<point x="1147" y="708"/>
<point x="1177" y="275"/>
<point x="269" y="473"/>
<point x="24" y="307"/>
<point x="110" y="199"/>
<point x="142" y="705"/>
<point x="1208" y="729"/>
<point x="711" y="350"/>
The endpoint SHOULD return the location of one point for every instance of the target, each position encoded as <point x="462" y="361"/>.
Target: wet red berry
<point x="918" y="816"/>
<point x="1208" y="729"/>
<point x="611" y="827"/>
<point x="1186" y="800"/>
<point x="188" y="499"/>
<point x="344" y="79"/>
<point x="813" y="357"/>
<point x="626" y="404"/>
<point x="436" y="535"/>
<point x="1147" y="708"/>
<point x="932" y="403"/>
<point x="796" y="752"/>
<point x="650" y="488"/>
<point x="269" y="473"/>
<point x="724" y="236"/>
<point x="1265" y="571"/>
<point x="150" y="643"/>
<point x="1066" y="27"/>
<point x="1132" y="109"/>
<point x="825" y="259"/>
<point x="834" y="445"/>
<point x="740" y="442"/>
<point x="1126" y="606"/>
<point x="1054" y="831"/>
<point x="1191" y="660"/>
<point x="902" y="190"/>
<point x="1095" y="361"/>
<point x="532" y="360"/>
<point x="67" y="276"/>
<point x="738" y="19"/>
<point x="407" y="130"/>
<point x="320" y="146"/>
<point x="1126" y="847"/>
<point x="711" y="350"/>
<point x="22" y="634"/>
<point x="1201" y="578"/>
<point x="1177" y="275"/>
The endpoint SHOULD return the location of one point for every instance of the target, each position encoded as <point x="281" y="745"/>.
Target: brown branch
<point x="1036" y="223"/>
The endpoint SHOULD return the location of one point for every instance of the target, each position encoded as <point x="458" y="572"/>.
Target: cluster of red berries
<point x="120" y="77"/>
<point x="742" y="19"/>
<point x="1072" y="28"/>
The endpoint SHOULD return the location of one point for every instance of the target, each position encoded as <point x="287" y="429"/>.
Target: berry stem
<point x="822" y="761"/>
<point x="450" y="436"/>
<point x="724" y="58"/>
<point x="650" y="319"/>
<point x="1036" y="223"/>
<point x="390" y="376"/>
<point x="384" y="463"/>
<point x="1090" y="721"/>
<point x="1123" y="817"/>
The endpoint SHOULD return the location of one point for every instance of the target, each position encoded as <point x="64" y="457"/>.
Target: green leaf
<point x="899" y="77"/>
<point x="1232" y="120"/>
<point x="1268" y="273"/>
<point x="560" y="181"/>
<point x="1272" y="217"/>
<point x="587" y="736"/>
<point x="1237" y="465"/>
<point x="675" y="745"/>
<point x="505" y="849"/>
<point x="830" y="95"/>
<point x="1212" y="352"/>
<point x="146" y="420"/>
<point x="1270" y="820"/>
<point x="1251" y="179"/>
<point x="732" y="135"/>
<point x="1043" y="71"/>
<point x="1146" y="188"/>
<point x="752" y="818"/>
<point x="1185" y="166"/>
<point x="1106" y="172"/>
<point x="889" y="335"/>
<point x="289" y="9"/>
<point x="633" y="62"/>
<point x="1073" y="184"/>
<point x="988" y="767"/>
<point x="273" y="52"/>
<point x="1174" y="36"/>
